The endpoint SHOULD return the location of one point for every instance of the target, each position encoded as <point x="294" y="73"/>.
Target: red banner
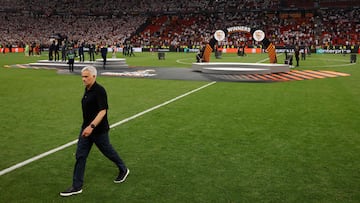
<point x="16" y="50"/>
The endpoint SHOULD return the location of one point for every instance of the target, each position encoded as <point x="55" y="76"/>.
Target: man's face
<point x="87" y="78"/>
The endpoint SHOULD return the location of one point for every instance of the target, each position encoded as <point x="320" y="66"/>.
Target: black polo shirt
<point x="93" y="101"/>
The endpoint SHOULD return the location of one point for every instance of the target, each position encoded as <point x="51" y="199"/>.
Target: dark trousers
<point x="81" y="57"/>
<point x="83" y="148"/>
<point x="297" y="60"/>
<point x="92" y="56"/>
<point x="63" y="55"/>
<point x="57" y="56"/>
<point x="50" y="56"/>
<point x="104" y="60"/>
<point x="71" y="65"/>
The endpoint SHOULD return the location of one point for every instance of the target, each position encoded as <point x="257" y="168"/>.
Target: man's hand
<point x="87" y="131"/>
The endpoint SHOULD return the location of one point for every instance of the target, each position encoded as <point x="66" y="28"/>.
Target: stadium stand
<point x="178" y="23"/>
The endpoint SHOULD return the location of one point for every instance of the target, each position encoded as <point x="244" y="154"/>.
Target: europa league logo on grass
<point x="258" y="35"/>
<point x="219" y="35"/>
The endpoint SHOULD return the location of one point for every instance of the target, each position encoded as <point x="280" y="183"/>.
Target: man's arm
<point x="88" y="130"/>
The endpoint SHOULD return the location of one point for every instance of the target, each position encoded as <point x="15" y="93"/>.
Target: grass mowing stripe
<point x="160" y="105"/>
<point x="21" y="164"/>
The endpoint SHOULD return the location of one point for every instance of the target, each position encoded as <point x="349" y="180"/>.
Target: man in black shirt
<point x="297" y="55"/>
<point x="91" y="52"/>
<point x="95" y="129"/>
<point x="52" y="50"/>
<point x="104" y="51"/>
<point x="81" y="52"/>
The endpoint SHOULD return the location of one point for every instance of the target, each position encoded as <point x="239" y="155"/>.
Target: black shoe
<point x="71" y="191"/>
<point x="122" y="176"/>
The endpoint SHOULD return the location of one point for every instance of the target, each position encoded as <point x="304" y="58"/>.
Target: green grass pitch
<point x="292" y="141"/>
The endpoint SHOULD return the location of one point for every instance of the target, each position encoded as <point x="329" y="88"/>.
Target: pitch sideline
<point x="21" y="164"/>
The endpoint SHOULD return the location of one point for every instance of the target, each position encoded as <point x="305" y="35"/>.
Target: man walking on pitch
<point x="95" y="129"/>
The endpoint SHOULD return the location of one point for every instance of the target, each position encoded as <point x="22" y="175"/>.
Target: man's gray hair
<point x="91" y="69"/>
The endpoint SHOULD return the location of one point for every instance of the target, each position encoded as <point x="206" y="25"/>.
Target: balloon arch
<point x="258" y="35"/>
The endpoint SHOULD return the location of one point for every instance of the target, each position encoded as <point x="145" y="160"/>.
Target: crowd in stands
<point x="315" y="28"/>
<point x="178" y="22"/>
<point x="19" y="30"/>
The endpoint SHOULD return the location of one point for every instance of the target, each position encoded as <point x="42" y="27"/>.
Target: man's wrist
<point x="92" y="125"/>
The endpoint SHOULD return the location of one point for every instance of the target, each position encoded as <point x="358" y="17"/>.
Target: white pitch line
<point x="21" y="164"/>
<point x="266" y="59"/>
<point x="180" y="61"/>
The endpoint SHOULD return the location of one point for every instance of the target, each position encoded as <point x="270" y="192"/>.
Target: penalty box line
<point x="21" y="164"/>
